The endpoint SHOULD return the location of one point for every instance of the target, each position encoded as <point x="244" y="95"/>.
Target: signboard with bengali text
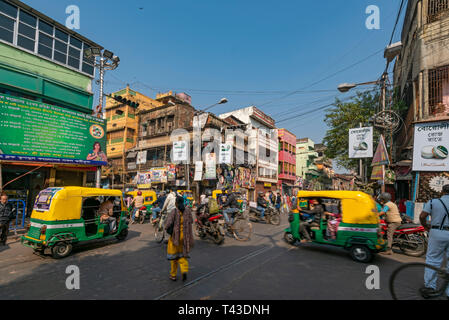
<point x="38" y="132"/>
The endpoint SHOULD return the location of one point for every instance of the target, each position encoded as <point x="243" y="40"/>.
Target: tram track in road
<point x="231" y="264"/>
<point x="210" y="273"/>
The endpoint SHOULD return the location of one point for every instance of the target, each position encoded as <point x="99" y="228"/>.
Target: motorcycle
<point x="213" y="227"/>
<point x="140" y="215"/>
<point x="411" y="238"/>
<point x="272" y="215"/>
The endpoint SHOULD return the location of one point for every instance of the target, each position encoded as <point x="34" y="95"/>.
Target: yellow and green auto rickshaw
<point x="356" y="229"/>
<point x="149" y="197"/>
<point x="63" y="217"/>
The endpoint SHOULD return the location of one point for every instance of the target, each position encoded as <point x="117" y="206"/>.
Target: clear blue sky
<point x="239" y="49"/>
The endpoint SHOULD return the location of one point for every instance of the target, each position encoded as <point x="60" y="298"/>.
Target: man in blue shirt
<point x="438" y="246"/>
<point x="157" y="206"/>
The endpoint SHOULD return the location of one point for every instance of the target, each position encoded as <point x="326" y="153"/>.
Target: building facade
<point x="263" y="145"/>
<point x="287" y="160"/>
<point x="421" y="78"/>
<point x="122" y="131"/>
<point x="305" y="159"/>
<point x="43" y="76"/>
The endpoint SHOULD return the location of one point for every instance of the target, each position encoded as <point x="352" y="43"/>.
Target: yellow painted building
<point x="123" y="126"/>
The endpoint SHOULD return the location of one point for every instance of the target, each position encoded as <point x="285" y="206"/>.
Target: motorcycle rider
<point x="393" y="218"/>
<point x="230" y="206"/>
<point x="203" y="214"/>
<point x="138" y="203"/>
<point x="438" y="245"/>
<point x="261" y="204"/>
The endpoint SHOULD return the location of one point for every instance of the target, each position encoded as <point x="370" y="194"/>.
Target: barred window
<point x="438" y="89"/>
<point x="435" y="8"/>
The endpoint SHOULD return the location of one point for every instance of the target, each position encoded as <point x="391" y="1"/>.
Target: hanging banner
<point x="180" y="151"/>
<point x="159" y="175"/>
<point x="381" y="156"/>
<point x="141" y="157"/>
<point x="225" y="153"/>
<point x="211" y="163"/>
<point x="431" y="144"/>
<point x="361" y="143"/>
<point x="377" y="173"/>
<point x="143" y="178"/>
<point x="198" y="171"/>
<point x="171" y="172"/>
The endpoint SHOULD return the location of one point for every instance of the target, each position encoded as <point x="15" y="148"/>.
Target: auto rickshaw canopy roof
<point x="66" y="202"/>
<point x="356" y="207"/>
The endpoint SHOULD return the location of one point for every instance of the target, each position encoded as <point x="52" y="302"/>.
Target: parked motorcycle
<point x="272" y="215"/>
<point x="213" y="227"/>
<point x="410" y="238"/>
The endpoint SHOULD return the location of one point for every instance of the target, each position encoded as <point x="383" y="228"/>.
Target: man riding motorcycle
<point x="138" y="203"/>
<point x="261" y="204"/>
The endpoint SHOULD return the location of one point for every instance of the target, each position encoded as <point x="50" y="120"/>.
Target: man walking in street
<point x="393" y="219"/>
<point x="6" y="215"/>
<point x="438" y="246"/>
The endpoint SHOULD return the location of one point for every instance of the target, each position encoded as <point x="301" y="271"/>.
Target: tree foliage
<point x="344" y="116"/>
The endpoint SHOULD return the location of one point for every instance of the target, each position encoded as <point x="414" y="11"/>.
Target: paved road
<point x="263" y="268"/>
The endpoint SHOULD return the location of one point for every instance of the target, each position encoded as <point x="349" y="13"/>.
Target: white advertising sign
<point x="211" y="162"/>
<point x="430" y="150"/>
<point x="141" y="157"/>
<point x="180" y="151"/>
<point x="225" y="153"/>
<point x="360" y="143"/>
<point x="198" y="171"/>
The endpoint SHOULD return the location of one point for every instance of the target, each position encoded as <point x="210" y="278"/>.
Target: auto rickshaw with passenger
<point x="356" y="229"/>
<point x="65" y="216"/>
<point x="149" y="197"/>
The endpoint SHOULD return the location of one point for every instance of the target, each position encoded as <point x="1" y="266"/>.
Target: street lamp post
<point x="106" y="61"/>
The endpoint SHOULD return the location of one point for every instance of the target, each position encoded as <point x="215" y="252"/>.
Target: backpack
<point x="213" y="206"/>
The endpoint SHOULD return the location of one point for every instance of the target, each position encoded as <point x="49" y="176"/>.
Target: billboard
<point x="38" y="132"/>
<point x="431" y="144"/>
<point x="360" y="143"/>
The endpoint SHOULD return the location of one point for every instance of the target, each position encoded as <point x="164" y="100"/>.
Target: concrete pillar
<point x="52" y="181"/>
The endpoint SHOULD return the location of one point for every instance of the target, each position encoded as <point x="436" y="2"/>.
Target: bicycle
<point x="159" y="232"/>
<point x="407" y="283"/>
<point x="241" y="229"/>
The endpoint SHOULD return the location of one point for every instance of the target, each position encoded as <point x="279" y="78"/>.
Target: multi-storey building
<point x="263" y="144"/>
<point x="305" y="159"/>
<point x="122" y="129"/>
<point x="421" y="77"/>
<point x="287" y="160"/>
<point x="44" y="77"/>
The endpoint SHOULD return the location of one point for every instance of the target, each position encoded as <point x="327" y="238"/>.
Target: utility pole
<point x="361" y="163"/>
<point x="384" y="81"/>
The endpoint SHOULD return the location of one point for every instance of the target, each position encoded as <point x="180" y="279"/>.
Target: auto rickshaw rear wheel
<point x="61" y="250"/>
<point x="288" y="237"/>
<point x="361" y="253"/>
<point x="123" y="234"/>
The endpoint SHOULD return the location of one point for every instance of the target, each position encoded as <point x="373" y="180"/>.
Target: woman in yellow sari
<point x="179" y="226"/>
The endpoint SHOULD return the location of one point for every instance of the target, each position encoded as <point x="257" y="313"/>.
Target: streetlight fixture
<point x="105" y="60"/>
<point x="345" y="87"/>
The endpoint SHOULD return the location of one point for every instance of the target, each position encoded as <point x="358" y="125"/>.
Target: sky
<point x="286" y="57"/>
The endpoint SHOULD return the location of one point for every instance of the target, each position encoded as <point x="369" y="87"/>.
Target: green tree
<point x="344" y="116"/>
